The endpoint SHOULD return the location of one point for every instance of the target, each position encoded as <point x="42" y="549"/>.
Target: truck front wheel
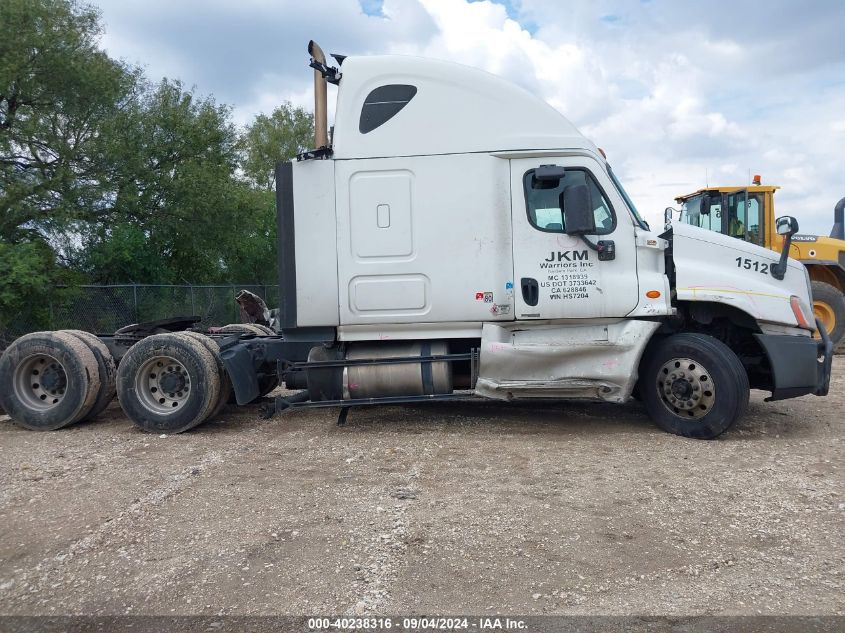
<point x="693" y="385"/>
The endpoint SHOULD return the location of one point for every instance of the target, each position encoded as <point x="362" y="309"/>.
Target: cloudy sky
<point x="675" y="92"/>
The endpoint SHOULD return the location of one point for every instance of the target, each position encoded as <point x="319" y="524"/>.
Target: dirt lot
<point x="444" y="508"/>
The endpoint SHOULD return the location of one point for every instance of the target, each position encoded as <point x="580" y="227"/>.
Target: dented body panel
<point x="594" y="362"/>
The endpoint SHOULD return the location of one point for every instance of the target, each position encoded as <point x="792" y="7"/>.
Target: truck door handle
<point x="530" y="291"/>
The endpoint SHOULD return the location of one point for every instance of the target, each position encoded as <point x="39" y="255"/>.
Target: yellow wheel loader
<point x="748" y="213"/>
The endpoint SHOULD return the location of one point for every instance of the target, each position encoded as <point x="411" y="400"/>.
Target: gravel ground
<point x="439" y="508"/>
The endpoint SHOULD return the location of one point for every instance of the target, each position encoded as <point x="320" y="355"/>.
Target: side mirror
<point x="786" y="225"/>
<point x="667" y="214"/>
<point x="577" y="205"/>
<point x="704" y="205"/>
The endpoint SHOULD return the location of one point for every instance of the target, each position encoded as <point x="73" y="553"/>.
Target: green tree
<point x="286" y="132"/>
<point x="166" y="212"/>
<point x="106" y="178"/>
<point x="56" y="89"/>
<point x="268" y="140"/>
<point x="250" y="257"/>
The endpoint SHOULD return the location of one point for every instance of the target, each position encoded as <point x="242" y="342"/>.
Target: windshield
<point x="691" y="214"/>
<point x="643" y="224"/>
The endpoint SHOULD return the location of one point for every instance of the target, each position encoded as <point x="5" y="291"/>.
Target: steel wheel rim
<point x="824" y="313"/>
<point x="686" y="388"/>
<point x="40" y="382"/>
<point x="163" y="385"/>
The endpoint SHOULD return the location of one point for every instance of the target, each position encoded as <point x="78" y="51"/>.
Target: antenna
<point x="706" y="178"/>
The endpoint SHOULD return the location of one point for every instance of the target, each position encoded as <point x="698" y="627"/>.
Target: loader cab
<point x="745" y="213"/>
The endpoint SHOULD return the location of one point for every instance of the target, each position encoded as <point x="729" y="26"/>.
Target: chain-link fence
<point x="104" y="309"/>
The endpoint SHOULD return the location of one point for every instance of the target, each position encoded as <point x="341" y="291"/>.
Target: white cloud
<point x="674" y="92"/>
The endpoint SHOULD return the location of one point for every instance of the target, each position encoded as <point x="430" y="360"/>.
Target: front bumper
<point x="800" y="365"/>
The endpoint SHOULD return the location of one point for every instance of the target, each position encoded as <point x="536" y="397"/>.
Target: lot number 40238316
<point x="750" y="264"/>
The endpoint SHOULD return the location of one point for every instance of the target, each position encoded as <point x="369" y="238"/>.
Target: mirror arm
<point x="779" y="270"/>
<point x="588" y="242"/>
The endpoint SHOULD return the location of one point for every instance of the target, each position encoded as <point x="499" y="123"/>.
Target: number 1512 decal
<point x="748" y="264"/>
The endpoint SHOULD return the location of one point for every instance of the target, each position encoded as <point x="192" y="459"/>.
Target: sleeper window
<point x="384" y="103"/>
<point x="543" y="201"/>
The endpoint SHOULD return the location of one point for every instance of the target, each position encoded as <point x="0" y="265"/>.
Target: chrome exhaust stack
<point x="321" y="111"/>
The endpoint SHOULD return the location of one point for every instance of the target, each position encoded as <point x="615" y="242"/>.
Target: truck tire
<point x="168" y="383"/>
<point x="693" y="385"/>
<point x="106" y="367"/>
<point x="225" y="382"/>
<point x="266" y="384"/>
<point x="48" y="380"/>
<point x="243" y="328"/>
<point x="829" y="308"/>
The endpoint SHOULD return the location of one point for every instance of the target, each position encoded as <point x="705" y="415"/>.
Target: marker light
<point x="601" y="151"/>
<point x="798" y="311"/>
<point x="653" y="294"/>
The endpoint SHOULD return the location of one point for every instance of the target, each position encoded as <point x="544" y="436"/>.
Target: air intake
<point x="838" y="230"/>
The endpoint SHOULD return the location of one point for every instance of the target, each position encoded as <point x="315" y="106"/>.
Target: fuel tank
<point x="379" y="380"/>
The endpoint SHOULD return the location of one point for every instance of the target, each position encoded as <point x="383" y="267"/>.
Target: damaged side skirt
<point x="594" y="362"/>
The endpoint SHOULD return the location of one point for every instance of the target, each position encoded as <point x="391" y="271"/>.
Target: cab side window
<point x="384" y="103"/>
<point x="754" y="219"/>
<point x="744" y="217"/>
<point x="543" y="200"/>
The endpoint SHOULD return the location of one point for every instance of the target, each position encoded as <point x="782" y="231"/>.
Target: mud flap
<point x="241" y="369"/>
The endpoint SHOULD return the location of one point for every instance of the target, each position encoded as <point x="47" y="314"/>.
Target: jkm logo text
<point x="568" y="256"/>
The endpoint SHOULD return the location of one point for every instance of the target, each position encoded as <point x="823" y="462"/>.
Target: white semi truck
<point x="458" y="236"/>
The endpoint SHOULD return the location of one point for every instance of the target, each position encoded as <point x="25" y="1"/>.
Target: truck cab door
<point x="559" y="276"/>
<point x="743" y="219"/>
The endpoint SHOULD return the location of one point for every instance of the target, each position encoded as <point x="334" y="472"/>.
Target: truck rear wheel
<point x="225" y="382"/>
<point x="693" y="385"/>
<point x="168" y="383"/>
<point x="249" y="328"/>
<point x="243" y="328"/>
<point x="106" y="367"/>
<point x="829" y="308"/>
<point x="48" y="380"/>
